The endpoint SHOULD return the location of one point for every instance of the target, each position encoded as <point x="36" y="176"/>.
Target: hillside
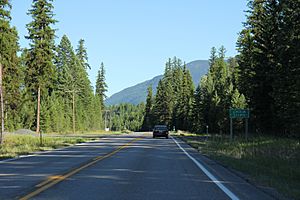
<point x="137" y="93"/>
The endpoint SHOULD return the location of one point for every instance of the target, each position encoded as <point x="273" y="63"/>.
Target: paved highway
<point x="133" y="166"/>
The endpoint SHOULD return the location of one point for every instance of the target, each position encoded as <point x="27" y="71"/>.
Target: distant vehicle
<point x="160" y="131"/>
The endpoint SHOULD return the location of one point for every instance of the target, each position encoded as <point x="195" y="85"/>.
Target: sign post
<point x="241" y="114"/>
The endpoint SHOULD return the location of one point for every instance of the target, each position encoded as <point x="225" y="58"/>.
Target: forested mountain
<point x="137" y="94"/>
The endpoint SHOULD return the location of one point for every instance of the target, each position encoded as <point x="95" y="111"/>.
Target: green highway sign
<point x="239" y="113"/>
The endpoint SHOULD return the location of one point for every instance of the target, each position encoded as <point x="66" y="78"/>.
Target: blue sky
<point x="134" y="38"/>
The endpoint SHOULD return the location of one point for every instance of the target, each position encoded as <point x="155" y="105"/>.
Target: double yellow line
<point x="53" y="180"/>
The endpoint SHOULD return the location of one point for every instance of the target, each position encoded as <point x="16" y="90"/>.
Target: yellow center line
<point x="49" y="179"/>
<point x="53" y="180"/>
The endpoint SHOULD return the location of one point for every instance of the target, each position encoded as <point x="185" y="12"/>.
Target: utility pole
<point x="73" y="91"/>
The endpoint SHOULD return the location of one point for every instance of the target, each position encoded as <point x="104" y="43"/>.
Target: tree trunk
<point x="2" y="105"/>
<point x="38" y="111"/>
<point x="73" y="107"/>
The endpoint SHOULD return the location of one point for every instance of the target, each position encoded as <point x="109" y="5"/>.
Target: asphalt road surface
<point x="133" y="166"/>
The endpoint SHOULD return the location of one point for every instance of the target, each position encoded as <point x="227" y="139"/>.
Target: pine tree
<point x="81" y="53"/>
<point x="9" y="70"/>
<point x="219" y="74"/>
<point x="234" y="71"/>
<point x="215" y="94"/>
<point x="96" y="122"/>
<point x="255" y="66"/>
<point x="27" y="111"/>
<point x="162" y="109"/>
<point x="238" y="100"/>
<point x="268" y="62"/>
<point x="148" y="119"/>
<point x="40" y="68"/>
<point x="71" y="79"/>
<point x="87" y="95"/>
<point x="173" y="77"/>
<point x="177" y="77"/>
<point x="213" y="56"/>
<point x="184" y="107"/>
<point x="101" y="86"/>
<point x="286" y="91"/>
<point x="168" y="83"/>
<point x="197" y="112"/>
<point x="265" y="62"/>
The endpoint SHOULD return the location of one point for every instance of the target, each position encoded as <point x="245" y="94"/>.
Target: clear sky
<point x="134" y="38"/>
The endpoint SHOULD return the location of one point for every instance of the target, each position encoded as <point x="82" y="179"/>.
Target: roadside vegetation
<point x="22" y="144"/>
<point x="15" y="145"/>
<point x="268" y="161"/>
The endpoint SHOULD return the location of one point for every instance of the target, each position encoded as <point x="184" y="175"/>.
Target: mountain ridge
<point x="138" y="93"/>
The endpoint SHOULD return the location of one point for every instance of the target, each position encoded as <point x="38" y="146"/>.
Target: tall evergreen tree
<point x="101" y="86"/>
<point x="148" y="119"/>
<point x="205" y="106"/>
<point x="81" y="53"/>
<point x="264" y="58"/>
<point x="219" y="73"/>
<point x="87" y="95"/>
<point x="269" y="64"/>
<point x="183" y="109"/>
<point x="9" y="70"/>
<point x="215" y="94"/>
<point x="197" y="111"/>
<point x="286" y="90"/>
<point x="70" y="76"/>
<point x="162" y="109"/>
<point x="213" y="56"/>
<point x="40" y="68"/>
<point x="27" y="111"/>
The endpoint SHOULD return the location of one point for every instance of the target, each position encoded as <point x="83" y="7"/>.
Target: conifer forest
<point x="46" y="87"/>
<point x="264" y="77"/>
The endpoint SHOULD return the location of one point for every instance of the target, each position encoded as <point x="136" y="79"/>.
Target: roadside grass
<point x="91" y="134"/>
<point x="15" y="144"/>
<point x="269" y="161"/>
<point x="22" y="144"/>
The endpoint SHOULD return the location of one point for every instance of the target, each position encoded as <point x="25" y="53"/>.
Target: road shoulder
<point x="236" y="181"/>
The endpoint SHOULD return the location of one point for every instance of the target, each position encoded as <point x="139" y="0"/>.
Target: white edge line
<point x="212" y="177"/>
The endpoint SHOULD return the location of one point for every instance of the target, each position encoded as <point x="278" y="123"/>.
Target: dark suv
<point x="160" y="131"/>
